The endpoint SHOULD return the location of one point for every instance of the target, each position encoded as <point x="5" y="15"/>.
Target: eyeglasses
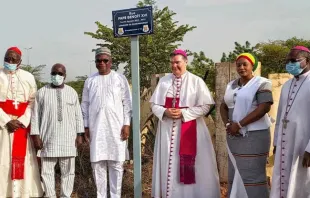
<point x="293" y="60"/>
<point x="57" y="73"/>
<point x="10" y="59"/>
<point x="102" y="60"/>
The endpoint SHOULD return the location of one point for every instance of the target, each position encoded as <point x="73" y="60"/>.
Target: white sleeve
<point x="127" y="103"/>
<point x="25" y="119"/>
<point x="85" y="104"/>
<point x="193" y="113"/>
<point x="78" y="115"/>
<point x="278" y="121"/>
<point x="158" y="111"/>
<point x="35" y="117"/>
<point x="4" y="118"/>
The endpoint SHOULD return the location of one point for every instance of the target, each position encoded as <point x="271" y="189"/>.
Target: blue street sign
<point x="133" y="22"/>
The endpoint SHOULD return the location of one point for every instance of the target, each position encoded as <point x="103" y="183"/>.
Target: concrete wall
<point x="277" y="81"/>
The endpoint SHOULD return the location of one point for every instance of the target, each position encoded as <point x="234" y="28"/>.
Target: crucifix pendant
<point x="16" y="103"/>
<point x="173" y="102"/>
<point x="285" y="122"/>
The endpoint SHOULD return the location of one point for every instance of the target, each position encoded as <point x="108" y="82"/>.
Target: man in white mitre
<point x="106" y="107"/>
<point x="291" y="173"/>
<point x="18" y="163"/>
<point x="184" y="159"/>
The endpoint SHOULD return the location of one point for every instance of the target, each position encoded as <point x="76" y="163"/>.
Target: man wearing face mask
<point x="57" y="130"/>
<point x="291" y="173"/>
<point x="184" y="162"/>
<point x="19" y="171"/>
<point x="106" y="107"/>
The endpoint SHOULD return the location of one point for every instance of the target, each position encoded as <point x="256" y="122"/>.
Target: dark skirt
<point x="251" y="154"/>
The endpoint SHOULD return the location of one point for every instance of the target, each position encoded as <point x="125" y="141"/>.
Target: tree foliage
<point x="272" y="54"/>
<point x="203" y="66"/>
<point x="154" y="49"/>
<point x="78" y="85"/>
<point x="37" y="72"/>
<point x="238" y="50"/>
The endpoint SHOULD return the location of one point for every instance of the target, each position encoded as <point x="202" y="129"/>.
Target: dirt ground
<point x="84" y="186"/>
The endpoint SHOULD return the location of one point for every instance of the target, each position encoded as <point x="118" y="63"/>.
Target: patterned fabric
<point x="67" y="168"/>
<point x="251" y="152"/>
<point x="250" y="57"/>
<point x="59" y="105"/>
<point x="57" y="118"/>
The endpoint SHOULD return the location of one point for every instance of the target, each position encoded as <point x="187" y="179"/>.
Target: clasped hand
<point x="233" y="128"/>
<point x="173" y="113"/>
<point x="13" y="125"/>
<point x="306" y="160"/>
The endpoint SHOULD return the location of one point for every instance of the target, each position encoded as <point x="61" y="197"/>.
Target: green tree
<point x="36" y="71"/>
<point x="238" y="50"/>
<point x="154" y="49"/>
<point x="203" y="66"/>
<point x="78" y="85"/>
<point x="292" y="42"/>
<point x="272" y="54"/>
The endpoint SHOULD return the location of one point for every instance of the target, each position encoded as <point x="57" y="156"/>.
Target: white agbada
<point x="106" y="107"/>
<point x="195" y="95"/>
<point x="22" y="87"/>
<point x="290" y="179"/>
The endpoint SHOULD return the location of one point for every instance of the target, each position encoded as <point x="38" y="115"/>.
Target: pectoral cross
<point x="285" y="121"/>
<point x="16" y="103"/>
<point x="173" y="102"/>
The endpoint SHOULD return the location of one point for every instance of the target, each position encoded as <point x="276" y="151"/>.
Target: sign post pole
<point x="132" y="23"/>
<point x="135" y="76"/>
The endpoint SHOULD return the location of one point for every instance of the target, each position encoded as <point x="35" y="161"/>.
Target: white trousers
<point x="116" y="170"/>
<point x="67" y="168"/>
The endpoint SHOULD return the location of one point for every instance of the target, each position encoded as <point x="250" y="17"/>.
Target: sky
<point x="55" y="29"/>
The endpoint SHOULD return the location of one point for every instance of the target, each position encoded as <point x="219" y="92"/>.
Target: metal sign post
<point x="136" y="115"/>
<point x="131" y="23"/>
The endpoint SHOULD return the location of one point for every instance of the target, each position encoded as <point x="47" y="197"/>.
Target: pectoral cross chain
<point x="285" y="122"/>
<point x="173" y="102"/>
<point x="16" y="103"/>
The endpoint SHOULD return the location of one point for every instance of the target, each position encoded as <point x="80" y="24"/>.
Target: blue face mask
<point x="294" y="68"/>
<point x="10" y="67"/>
<point x="57" y="80"/>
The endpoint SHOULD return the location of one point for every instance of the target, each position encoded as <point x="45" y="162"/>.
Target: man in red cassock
<point x="18" y="165"/>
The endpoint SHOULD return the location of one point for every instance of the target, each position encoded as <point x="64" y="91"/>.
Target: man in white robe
<point x="57" y="130"/>
<point x="18" y="164"/>
<point x="106" y="107"/>
<point x="184" y="163"/>
<point x="291" y="173"/>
